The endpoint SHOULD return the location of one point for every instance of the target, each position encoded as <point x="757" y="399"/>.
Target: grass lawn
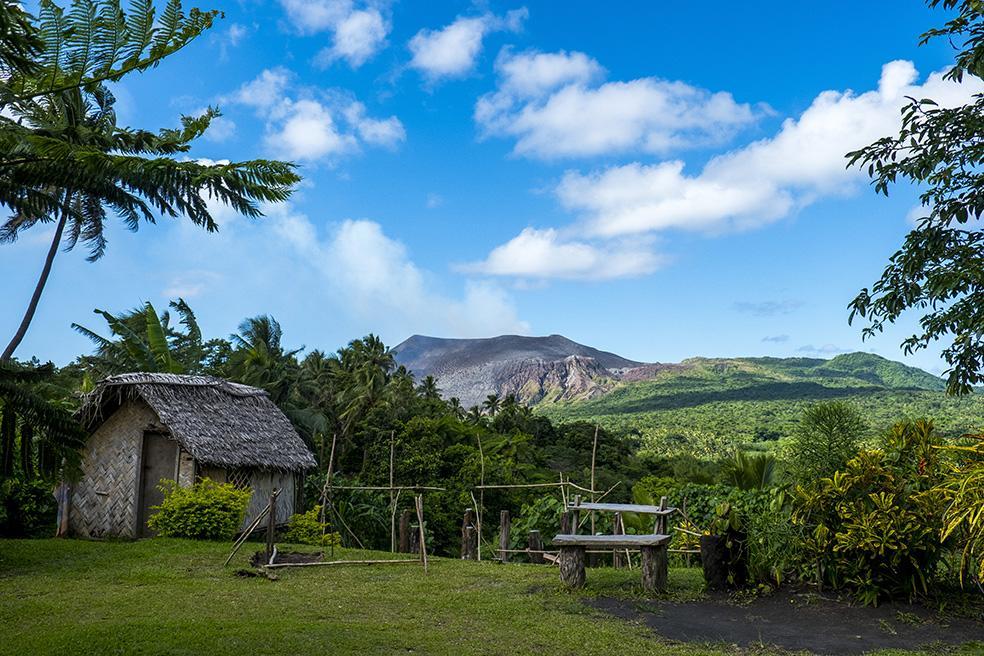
<point x="174" y="596"/>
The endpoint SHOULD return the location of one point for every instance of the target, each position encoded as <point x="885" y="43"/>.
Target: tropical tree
<point x="260" y="358"/>
<point x="492" y="404"/>
<point x="428" y="388"/>
<point x="142" y="340"/>
<point x="66" y="161"/>
<point x="49" y="435"/>
<point x="938" y="268"/>
<point x="455" y="407"/>
<point x="828" y="435"/>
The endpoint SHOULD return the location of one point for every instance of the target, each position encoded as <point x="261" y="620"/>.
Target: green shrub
<point x="875" y="527"/>
<point x="205" y="511"/>
<point x="27" y="509"/>
<point x="307" y="528"/>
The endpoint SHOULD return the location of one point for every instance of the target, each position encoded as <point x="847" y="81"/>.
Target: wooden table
<point x="653" y="547"/>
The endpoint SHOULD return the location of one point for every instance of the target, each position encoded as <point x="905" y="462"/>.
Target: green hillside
<point x="710" y="404"/>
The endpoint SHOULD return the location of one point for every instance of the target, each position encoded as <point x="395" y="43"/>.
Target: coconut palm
<point x="492" y="403"/>
<point x="428" y="388"/>
<point x="260" y="358"/>
<point x="455" y="407"/>
<point x="66" y="162"/>
<point x="145" y="341"/>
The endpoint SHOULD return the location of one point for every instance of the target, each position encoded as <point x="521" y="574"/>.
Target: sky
<point x="661" y="180"/>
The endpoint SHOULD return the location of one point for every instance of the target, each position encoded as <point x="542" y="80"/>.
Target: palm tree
<point x="751" y="472"/>
<point x="492" y="404"/>
<point x="454" y="405"/>
<point x="261" y="360"/>
<point x="47" y="428"/>
<point x="475" y="415"/>
<point x="66" y="161"/>
<point x="145" y="341"/>
<point x="428" y="388"/>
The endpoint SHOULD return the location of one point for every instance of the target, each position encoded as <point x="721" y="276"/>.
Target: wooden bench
<point x="655" y="564"/>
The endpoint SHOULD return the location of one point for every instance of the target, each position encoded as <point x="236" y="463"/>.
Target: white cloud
<point x="547" y="254"/>
<point x="357" y="37"/>
<point x="748" y="187"/>
<point x="380" y="132"/>
<point x="267" y="90"/>
<point x="434" y="201"/>
<point x="452" y="50"/>
<point x="306" y="124"/>
<point x="357" y="33"/>
<point x="230" y="38"/>
<point x="373" y="275"/>
<point x="313" y="16"/>
<point x="763" y="181"/>
<point x="550" y="104"/>
<point x="307" y="131"/>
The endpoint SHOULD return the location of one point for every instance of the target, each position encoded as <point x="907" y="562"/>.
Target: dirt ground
<point x="799" y="621"/>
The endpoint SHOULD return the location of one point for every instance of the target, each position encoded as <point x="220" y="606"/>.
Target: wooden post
<point x="413" y="544"/>
<point x="576" y="515"/>
<point x="618" y="558"/>
<point x="271" y="524"/>
<point x="572" y="566"/>
<point x="654" y="568"/>
<point x="535" y="544"/>
<point x="405" y="531"/>
<point x="594" y="451"/>
<point x="392" y="499"/>
<point x="661" y="519"/>
<point x="420" y="520"/>
<point x="565" y="522"/>
<point x="467" y="534"/>
<point x="504" y="536"/>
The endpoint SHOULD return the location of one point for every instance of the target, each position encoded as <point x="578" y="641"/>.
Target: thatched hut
<point x="146" y="427"/>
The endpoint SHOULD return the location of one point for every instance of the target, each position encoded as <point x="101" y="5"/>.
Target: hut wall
<point x="263" y="482"/>
<point x="104" y="500"/>
<point x="186" y="469"/>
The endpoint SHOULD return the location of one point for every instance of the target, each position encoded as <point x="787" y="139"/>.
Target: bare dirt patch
<point x="800" y="621"/>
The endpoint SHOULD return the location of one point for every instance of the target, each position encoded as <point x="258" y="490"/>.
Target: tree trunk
<point x="32" y="307"/>
<point x="654" y="569"/>
<point x="572" y="566"/>
<point x="27" y="450"/>
<point x="8" y="430"/>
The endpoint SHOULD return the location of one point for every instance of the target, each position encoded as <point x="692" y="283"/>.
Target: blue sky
<point x="662" y="180"/>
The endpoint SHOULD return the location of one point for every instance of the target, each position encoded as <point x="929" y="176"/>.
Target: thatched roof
<point x="218" y="422"/>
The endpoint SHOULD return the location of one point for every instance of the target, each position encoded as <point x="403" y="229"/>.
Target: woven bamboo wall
<point x="263" y="483"/>
<point x="104" y="499"/>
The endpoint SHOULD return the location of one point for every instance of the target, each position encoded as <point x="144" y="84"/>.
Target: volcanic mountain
<point x="536" y="369"/>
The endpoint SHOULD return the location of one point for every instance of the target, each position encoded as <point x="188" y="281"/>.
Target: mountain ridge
<point x="556" y="370"/>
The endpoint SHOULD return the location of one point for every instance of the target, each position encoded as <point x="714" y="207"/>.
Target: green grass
<point x="175" y="597"/>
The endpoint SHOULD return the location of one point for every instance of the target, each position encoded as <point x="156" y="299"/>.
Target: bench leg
<point x="655" y="567"/>
<point x="572" y="566"/>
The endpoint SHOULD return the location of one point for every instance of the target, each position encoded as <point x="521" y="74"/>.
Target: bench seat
<point x="611" y="541"/>
<point x="623" y="507"/>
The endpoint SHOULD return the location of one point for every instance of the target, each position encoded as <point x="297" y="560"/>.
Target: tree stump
<point x="572" y="567"/>
<point x="655" y="566"/>
<point x="535" y="545"/>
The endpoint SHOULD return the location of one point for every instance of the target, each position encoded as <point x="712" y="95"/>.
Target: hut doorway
<point x="160" y="457"/>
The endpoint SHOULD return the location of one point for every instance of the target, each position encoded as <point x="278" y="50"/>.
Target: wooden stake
<point x="535" y="547"/>
<point x="467" y="532"/>
<point x="271" y="524"/>
<point x="478" y="525"/>
<point x="504" y="536"/>
<point x="420" y="521"/>
<point x="245" y="534"/>
<point x="594" y="452"/>
<point x="480" y="506"/>
<point x="405" y="531"/>
<point x="401" y="561"/>
<point x="392" y="498"/>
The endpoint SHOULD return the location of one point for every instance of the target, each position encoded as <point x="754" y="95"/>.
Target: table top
<point x="623" y="507"/>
